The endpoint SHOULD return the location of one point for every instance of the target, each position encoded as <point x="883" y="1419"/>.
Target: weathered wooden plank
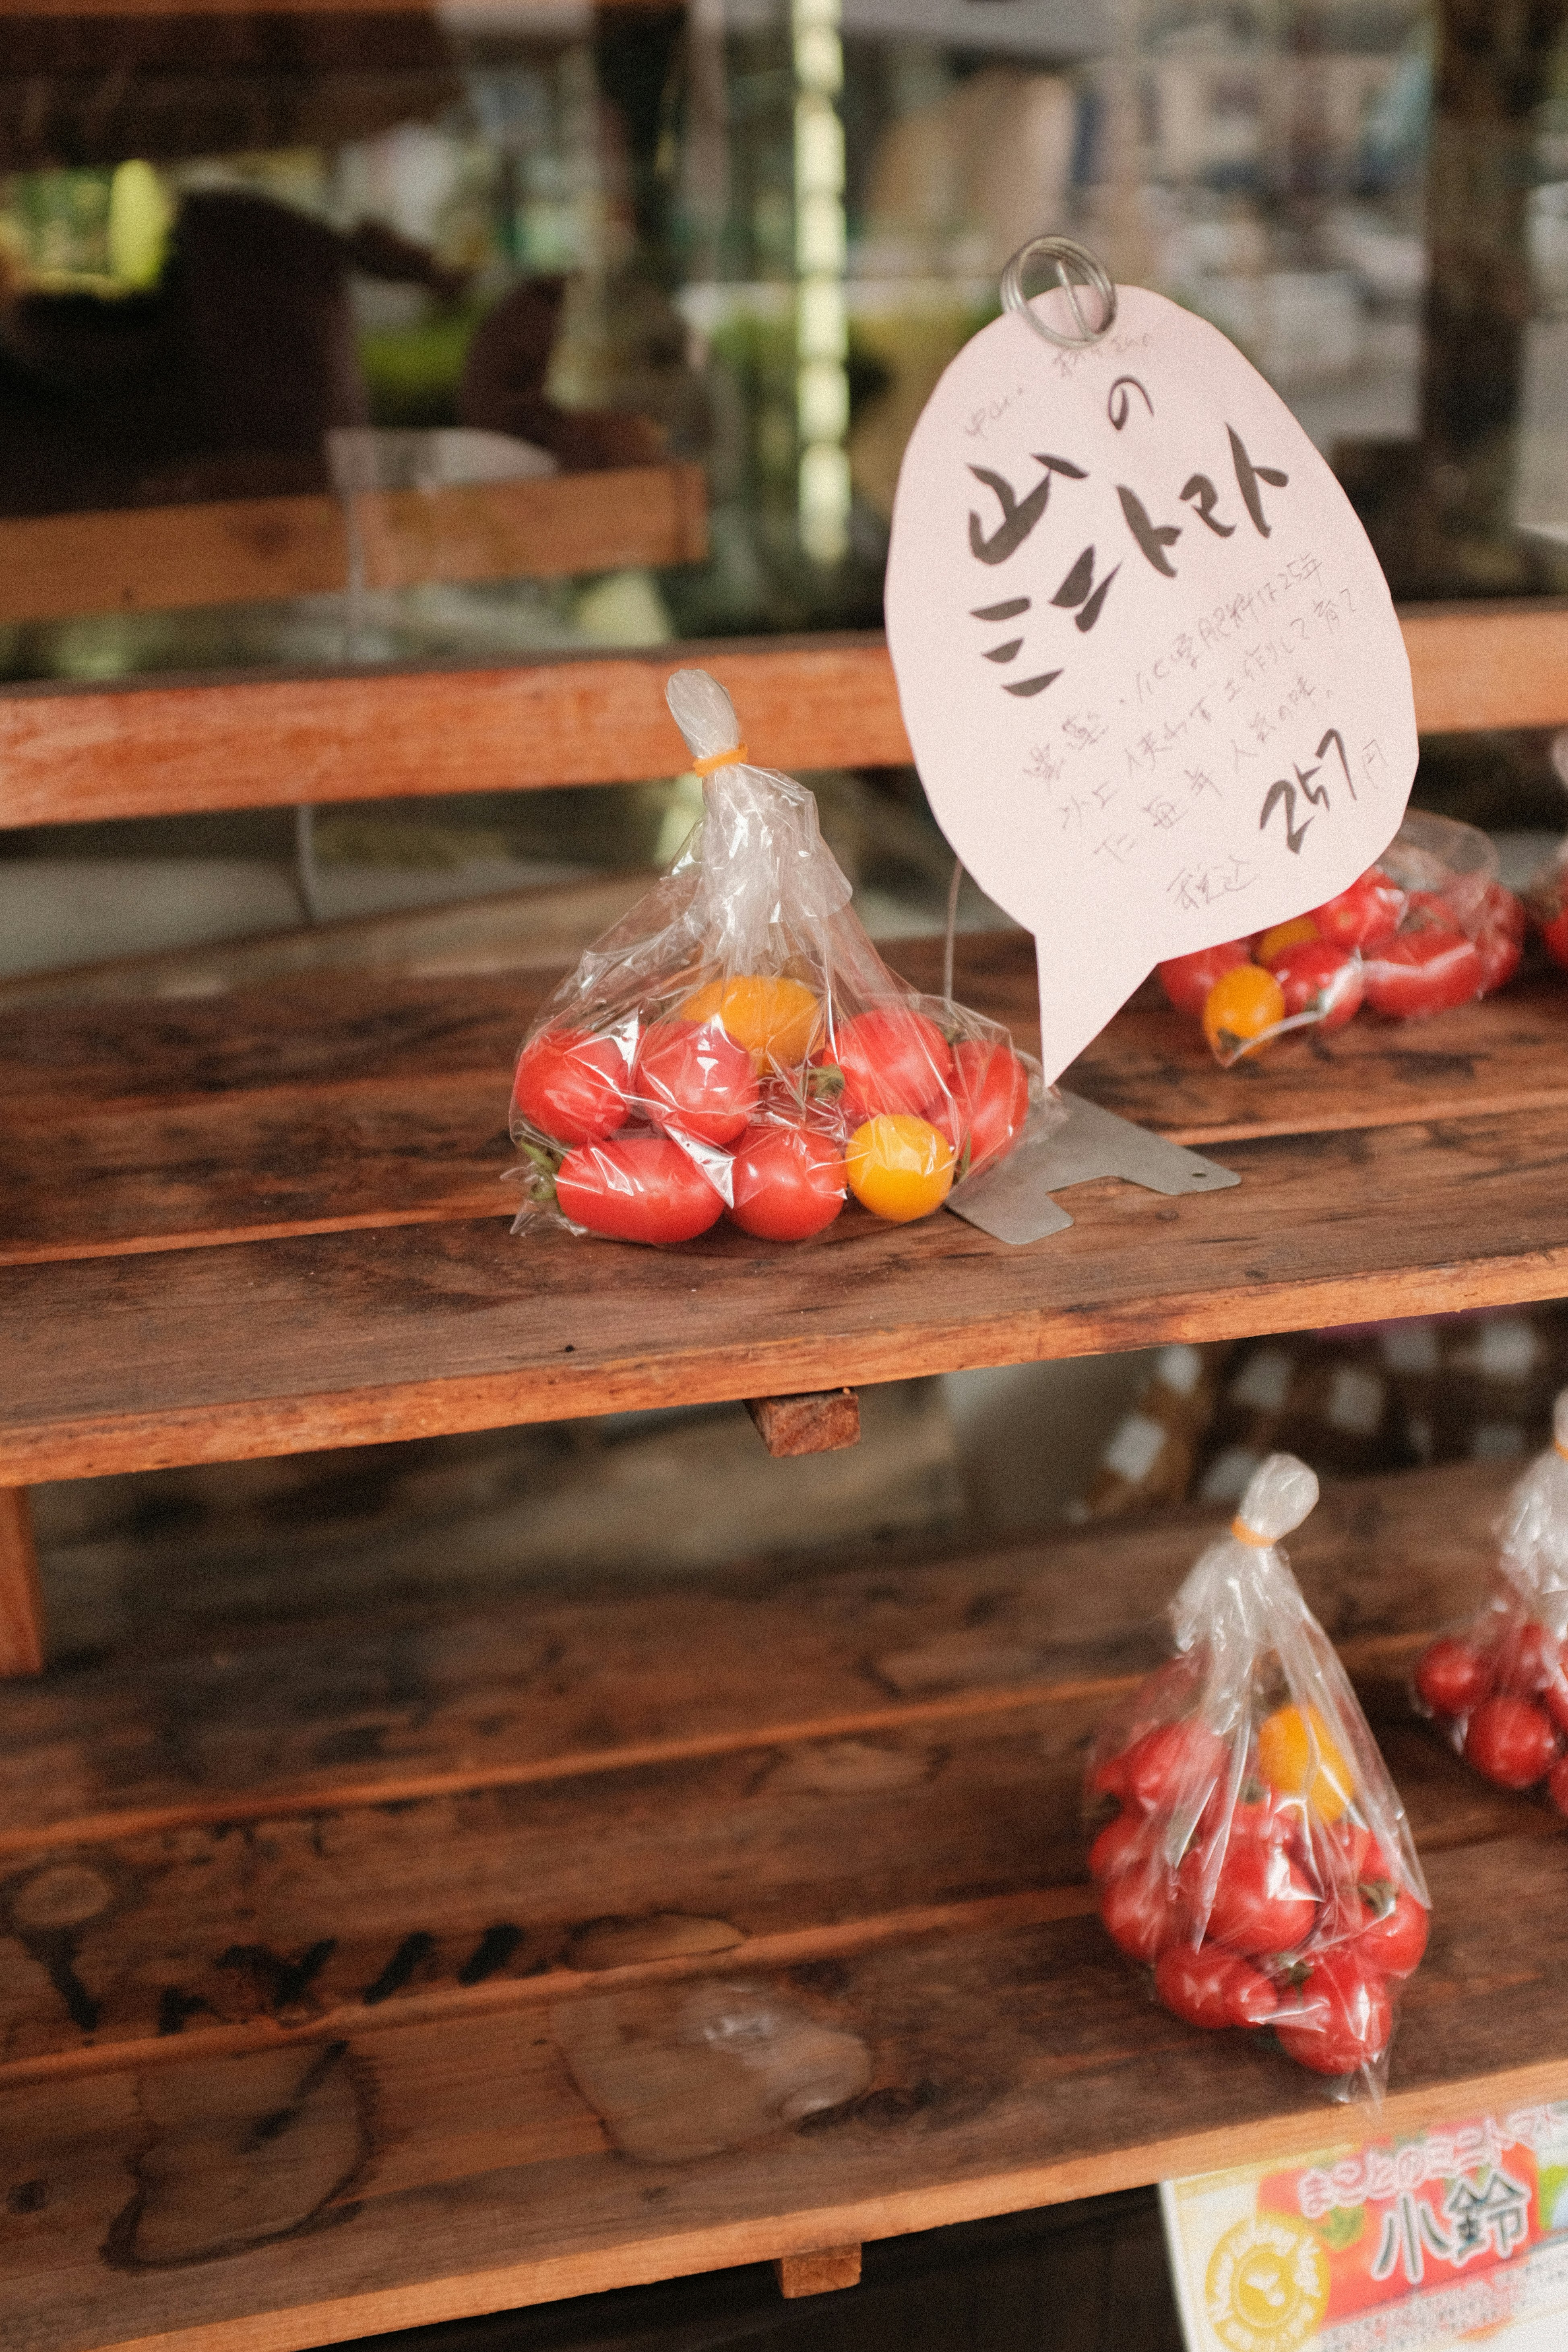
<point x="414" y="1703"/>
<point x="21" y="1602"/>
<point x="818" y="702"/>
<point x="1475" y="667"/>
<point x="379" y="2060"/>
<point x="505" y="8"/>
<point x="240" y="1167"/>
<point x="254" y="550"/>
<point x="337" y="2185"/>
<point x="338" y="1338"/>
<point x="379" y="1912"/>
<point x="820" y="2273"/>
<point x="370" y="1029"/>
<point x="198" y="1122"/>
<point x="818" y="1422"/>
<point x="541" y="928"/>
<point x="577" y="719"/>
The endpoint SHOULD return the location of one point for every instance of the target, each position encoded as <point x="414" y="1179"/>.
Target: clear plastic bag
<point x="1547" y="900"/>
<point x="1547" y="897"/>
<point x="1428" y="927"/>
<point x="1259" y="1858"/>
<point x="1497" y="1686"/>
<point x="735" y="1046"/>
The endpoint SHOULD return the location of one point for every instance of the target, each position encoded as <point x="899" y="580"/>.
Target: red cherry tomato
<point x="1187" y="979"/>
<point x="1453" y="1676"/>
<point x="1263" y="1903"/>
<point x="1213" y="1987"/>
<point x="991" y="1089"/>
<point x="1341" y="2017"/>
<point x="789" y="1183"/>
<point x="891" y="1059"/>
<point x="637" y="1188"/>
<point x="572" y="1086"/>
<point x="1557" y="1787"/>
<point x="1250" y="1997"/>
<point x="1117" y="1845"/>
<point x="1549" y="905"/>
<point x="1142" y="1910"/>
<point x="692" y="1076"/>
<point x="1428" y="967"/>
<point x="1393" y="1941"/>
<point x="1350" y="1842"/>
<point x="1502" y="937"/>
<point x="1371" y="905"/>
<point x="1510" y="1740"/>
<point x="1174" y="1761"/>
<point x="1321" y="979"/>
<point x="1527" y="1659"/>
<point x="1273" y="1817"/>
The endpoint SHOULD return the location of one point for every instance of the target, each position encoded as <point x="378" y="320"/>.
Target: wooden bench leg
<point x="820" y="1422"/>
<point x="819" y="2274"/>
<point x="21" y="1603"/>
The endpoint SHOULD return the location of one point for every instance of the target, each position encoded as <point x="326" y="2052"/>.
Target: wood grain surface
<point x="285" y="1345"/>
<point x="274" y="1110"/>
<point x="153" y="748"/>
<point x="264" y="1224"/>
<point x="256" y="550"/>
<point x="821" y="1422"/>
<point x="820" y="2273"/>
<point x="402" y="1702"/>
<point x="816" y="1966"/>
<point x="21" y="1608"/>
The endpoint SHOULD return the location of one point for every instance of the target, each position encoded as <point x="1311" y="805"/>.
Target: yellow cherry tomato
<point x="899" y="1167"/>
<point x="775" y="1019"/>
<point x="1300" y="932"/>
<point x="1298" y="1755"/>
<point x="1241" y="1005"/>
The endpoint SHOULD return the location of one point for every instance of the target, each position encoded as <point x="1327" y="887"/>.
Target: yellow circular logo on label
<point x="1267" y="2284"/>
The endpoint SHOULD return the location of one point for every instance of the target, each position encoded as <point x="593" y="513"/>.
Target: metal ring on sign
<point x="1069" y="257"/>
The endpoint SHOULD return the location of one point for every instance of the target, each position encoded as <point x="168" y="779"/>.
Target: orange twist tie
<point x="1244" y="1534"/>
<point x="1560" y="1448"/>
<point x="718" y="759"/>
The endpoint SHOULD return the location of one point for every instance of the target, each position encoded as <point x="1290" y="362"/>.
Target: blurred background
<point x="276" y="288"/>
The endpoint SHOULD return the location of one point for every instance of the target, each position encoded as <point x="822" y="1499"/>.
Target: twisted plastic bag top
<point x="764" y="869"/>
<point x="1533" y="1530"/>
<point x="1243" y="1582"/>
<point x="1242" y="1618"/>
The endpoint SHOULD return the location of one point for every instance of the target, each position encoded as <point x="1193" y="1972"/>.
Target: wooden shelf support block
<point x="21" y="1602"/>
<point x="822" y="1421"/>
<point x="819" y="2274"/>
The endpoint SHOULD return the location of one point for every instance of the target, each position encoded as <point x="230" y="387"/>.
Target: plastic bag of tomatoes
<point x="1498" y="1687"/>
<point x="1547" y="900"/>
<point x="735" y="1046"/>
<point x="1428" y="928"/>
<point x="1248" y="1845"/>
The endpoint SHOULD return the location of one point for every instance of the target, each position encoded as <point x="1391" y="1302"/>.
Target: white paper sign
<point x="1147" y="659"/>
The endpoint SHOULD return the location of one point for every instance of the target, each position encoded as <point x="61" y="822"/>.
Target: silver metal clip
<point x="1075" y="267"/>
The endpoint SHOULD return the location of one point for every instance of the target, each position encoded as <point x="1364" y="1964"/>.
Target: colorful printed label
<point x="1396" y="2245"/>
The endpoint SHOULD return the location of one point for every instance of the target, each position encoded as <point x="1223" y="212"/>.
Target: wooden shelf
<point x="153" y="748"/>
<point x="247" y="550"/>
<point x="263" y="1223"/>
<point x="375" y="1972"/>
